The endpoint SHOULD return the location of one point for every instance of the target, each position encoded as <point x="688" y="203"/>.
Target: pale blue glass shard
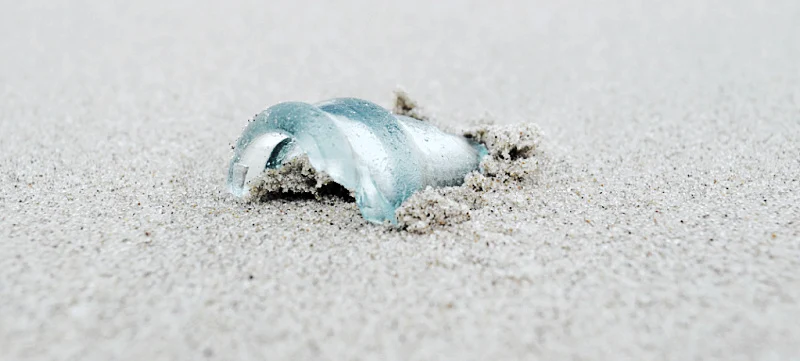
<point x="381" y="157"/>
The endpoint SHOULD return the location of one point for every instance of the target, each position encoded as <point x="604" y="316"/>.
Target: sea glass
<point x="383" y="158"/>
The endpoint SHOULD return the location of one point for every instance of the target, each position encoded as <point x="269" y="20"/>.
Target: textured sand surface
<point x="666" y="225"/>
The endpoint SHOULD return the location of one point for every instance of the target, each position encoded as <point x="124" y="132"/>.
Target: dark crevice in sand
<point x="297" y="179"/>
<point x="333" y="191"/>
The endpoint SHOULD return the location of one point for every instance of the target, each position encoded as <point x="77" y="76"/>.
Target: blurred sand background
<point x="670" y="229"/>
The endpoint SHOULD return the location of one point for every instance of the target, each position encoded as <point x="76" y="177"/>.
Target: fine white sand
<point x="664" y="226"/>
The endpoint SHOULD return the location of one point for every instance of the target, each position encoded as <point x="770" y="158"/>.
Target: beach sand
<point x="662" y="221"/>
